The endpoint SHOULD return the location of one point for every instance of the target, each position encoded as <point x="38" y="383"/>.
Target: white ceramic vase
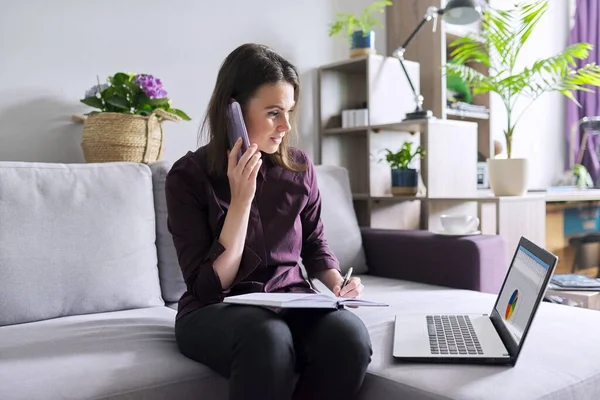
<point x="508" y="177"/>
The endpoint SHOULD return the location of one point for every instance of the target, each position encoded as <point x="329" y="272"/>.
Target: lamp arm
<point x="431" y="13"/>
<point x="399" y="52"/>
<point x="412" y="86"/>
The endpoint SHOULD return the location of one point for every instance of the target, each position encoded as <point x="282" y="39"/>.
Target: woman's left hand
<point x="353" y="289"/>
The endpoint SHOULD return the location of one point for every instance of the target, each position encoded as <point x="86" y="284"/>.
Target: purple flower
<point x="151" y="86"/>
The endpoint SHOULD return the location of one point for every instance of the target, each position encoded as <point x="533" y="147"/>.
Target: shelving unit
<point x="448" y="169"/>
<point x="453" y="140"/>
<point x="432" y="50"/>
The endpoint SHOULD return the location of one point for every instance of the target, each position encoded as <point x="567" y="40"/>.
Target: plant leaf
<point x="497" y="47"/>
<point x="404" y="156"/>
<point x="93" y="102"/>
<point x="469" y="49"/>
<point x="158" y="102"/>
<point x="145" y="110"/>
<point x="118" y="102"/>
<point x="531" y="14"/>
<point x="180" y="113"/>
<point x="119" y="79"/>
<point x="475" y="79"/>
<point x="365" y="21"/>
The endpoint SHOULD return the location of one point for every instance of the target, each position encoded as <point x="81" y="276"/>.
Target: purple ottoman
<point x="468" y="262"/>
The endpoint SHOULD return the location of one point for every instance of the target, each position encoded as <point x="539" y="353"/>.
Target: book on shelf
<point x="574" y="282"/>
<point x="462" y="106"/>
<point x="299" y="300"/>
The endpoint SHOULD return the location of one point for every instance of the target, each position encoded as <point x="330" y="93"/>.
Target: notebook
<point x="299" y="300"/>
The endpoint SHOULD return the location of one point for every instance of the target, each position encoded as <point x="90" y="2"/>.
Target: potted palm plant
<point x="405" y="180"/>
<point x="497" y="47"/>
<point x="359" y="28"/>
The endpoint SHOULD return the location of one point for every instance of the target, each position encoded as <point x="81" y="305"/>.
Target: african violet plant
<point x="129" y="93"/>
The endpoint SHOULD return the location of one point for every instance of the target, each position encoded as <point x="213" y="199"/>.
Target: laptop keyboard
<point x="452" y="334"/>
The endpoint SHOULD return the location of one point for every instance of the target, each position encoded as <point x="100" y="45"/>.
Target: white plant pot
<point x="508" y="177"/>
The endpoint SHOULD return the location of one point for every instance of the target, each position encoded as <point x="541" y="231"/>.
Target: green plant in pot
<point x="359" y="28"/>
<point x="405" y="180"/>
<point x="127" y="122"/>
<point x="497" y="47"/>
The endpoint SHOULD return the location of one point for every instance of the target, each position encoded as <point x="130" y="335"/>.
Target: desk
<point x="514" y="216"/>
<point x="556" y="196"/>
<point x="508" y="216"/>
<point x="558" y="232"/>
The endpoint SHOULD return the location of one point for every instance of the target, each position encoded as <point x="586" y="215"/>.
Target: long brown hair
<point x="242" y="73"/>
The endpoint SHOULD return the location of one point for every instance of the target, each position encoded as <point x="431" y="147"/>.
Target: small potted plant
<point x="359" y="28"/>
<point x="127" y="125"/>
<point x="497" y="47"/>
<point x="405" y="180"/>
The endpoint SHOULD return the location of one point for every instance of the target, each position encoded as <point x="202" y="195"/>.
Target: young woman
<point x="242" y="226"/>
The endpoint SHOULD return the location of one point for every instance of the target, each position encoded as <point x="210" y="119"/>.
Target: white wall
<point x="51" y="52"/>
<point x="540" y="134"/>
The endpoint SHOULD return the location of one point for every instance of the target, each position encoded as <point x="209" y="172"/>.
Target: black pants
<point x="261" y="351"/>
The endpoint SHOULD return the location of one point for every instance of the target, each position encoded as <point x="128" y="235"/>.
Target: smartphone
<point x="236" y="127"/>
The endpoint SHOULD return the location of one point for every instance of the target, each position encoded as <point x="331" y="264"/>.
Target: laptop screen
<point x="522" y="287"/>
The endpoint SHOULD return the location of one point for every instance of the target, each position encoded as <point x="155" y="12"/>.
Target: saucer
<point x="444" y="233"/>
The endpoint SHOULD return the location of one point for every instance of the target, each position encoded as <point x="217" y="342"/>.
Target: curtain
<point x="585" y="29"/>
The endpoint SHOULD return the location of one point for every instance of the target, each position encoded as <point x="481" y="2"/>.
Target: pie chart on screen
<point x="512" y="304"/>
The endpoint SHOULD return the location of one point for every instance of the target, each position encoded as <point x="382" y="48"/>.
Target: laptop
<point x="494" y="338"/>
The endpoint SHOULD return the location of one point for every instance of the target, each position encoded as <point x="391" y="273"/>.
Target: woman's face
<point x="267" y="115"/>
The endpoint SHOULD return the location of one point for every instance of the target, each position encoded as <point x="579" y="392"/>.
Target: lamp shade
<point x="461" y="12"/>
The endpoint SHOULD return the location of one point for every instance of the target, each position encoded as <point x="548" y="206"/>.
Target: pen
<point x="346" y="278"/>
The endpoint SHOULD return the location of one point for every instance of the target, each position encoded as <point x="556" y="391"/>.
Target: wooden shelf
<point x="356" y="130"/>
<point x="414" y="126"/>
<point x="360" y="196"/>
<point x="391" y="198"/>
<point x="379" y="84"/>
<point x="351" y="65"/>
<point x="388" y="198"/>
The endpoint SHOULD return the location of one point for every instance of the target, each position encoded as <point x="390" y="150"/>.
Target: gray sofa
<point x="89" y="280"/>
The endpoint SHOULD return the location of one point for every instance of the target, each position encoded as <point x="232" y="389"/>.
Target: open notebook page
<point x="297" y="300"/>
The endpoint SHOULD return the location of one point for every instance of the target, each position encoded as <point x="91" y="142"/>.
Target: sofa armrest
<point x="467" y="262"/>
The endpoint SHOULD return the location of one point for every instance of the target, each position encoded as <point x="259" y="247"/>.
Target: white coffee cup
<point x="459" y="223"/>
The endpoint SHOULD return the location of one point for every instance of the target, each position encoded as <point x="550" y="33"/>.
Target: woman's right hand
<point x="242" y="174"/>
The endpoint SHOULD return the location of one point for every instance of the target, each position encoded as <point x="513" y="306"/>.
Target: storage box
<point x="581" y="219"/>
<point x="355" y="118"/>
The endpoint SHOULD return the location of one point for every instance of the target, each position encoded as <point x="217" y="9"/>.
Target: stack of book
<point x="574" y="282"/>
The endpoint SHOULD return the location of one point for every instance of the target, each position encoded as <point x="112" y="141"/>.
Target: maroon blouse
<point x="284" y="226"/>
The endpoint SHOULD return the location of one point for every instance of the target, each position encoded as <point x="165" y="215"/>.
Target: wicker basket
<point x="111" y="136"/>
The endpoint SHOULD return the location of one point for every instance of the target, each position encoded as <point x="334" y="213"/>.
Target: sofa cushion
<point x="339" y="220"/>
<point x="559" y="359"/>
<point x="171" y="278"/>
<point x="75" y="239"/>
<point x="119" y="355"/>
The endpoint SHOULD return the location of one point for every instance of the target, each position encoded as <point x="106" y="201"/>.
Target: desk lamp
<point x="456" y="12"/>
